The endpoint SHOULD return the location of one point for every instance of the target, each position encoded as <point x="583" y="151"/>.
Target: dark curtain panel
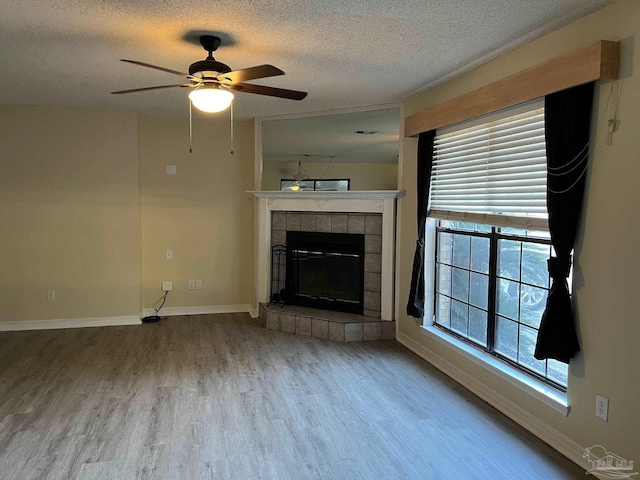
<point x="567" y="125"/>
<point x="415" y="306"/>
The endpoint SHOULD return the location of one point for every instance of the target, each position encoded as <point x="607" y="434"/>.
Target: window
<point x="342" y="184"/>
<point x="491" y="289"/>
<point x="488" y="197"/>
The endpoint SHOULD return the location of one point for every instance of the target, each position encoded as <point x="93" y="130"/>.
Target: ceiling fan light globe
<point x="211" y="100"/>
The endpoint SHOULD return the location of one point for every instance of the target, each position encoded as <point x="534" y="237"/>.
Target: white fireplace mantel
<point x="351" y="194"/>
<point x="378" y="201"/>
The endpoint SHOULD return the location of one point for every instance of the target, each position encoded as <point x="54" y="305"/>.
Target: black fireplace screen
<point x="325" y="270"/>
<point x="278" y="262"/>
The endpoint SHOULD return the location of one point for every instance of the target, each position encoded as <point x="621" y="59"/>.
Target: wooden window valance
<point x="599" y="60"/>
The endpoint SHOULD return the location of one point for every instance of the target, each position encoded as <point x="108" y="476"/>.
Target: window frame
<point x="541" y="391"/>
<point x="494" y="236"/>
<point x="548" y="391"/>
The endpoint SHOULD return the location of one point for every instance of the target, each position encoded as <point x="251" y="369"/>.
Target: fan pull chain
<point x="232" y="152"/>
<point x="190" y="129"/>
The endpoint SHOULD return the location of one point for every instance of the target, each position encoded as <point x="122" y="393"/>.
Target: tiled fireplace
<point x="370" y="225"/>
<point x="371" y="214"/>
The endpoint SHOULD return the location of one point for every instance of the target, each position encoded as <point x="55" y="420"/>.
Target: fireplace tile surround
<point x="372" y="213"/>
<point x="368" y="224"/>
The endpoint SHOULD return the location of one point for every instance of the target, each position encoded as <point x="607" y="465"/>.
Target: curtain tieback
<point x="559" y="268"/>
<point x="419" y="243"/>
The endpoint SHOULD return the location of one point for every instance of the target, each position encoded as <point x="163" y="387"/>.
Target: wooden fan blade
<point x="270" y="91"/>
<point x="144" y="89"/>
<point x="252" y="73"/>
<point x="162" y="69"/>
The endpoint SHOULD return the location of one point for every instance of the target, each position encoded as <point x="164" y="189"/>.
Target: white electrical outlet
<point x="167" y="286"/>
<point x="198" y="284"/>
<point x="51" y="294"/>
<point x="169" y="254"/>
<point x="602" y="407"/>
<point x="170" y="169"/>
<point x="191" y="285"/>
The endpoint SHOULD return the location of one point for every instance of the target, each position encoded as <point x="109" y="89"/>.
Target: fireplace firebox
<point x="325" y="270"/>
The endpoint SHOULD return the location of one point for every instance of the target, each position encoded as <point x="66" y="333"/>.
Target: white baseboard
<point x="52" y="324"/>
<point x="254" y="312"/>
<point x="199" y="310"/>
<point x="555" y="439"/>
<point x="69" y="323"/>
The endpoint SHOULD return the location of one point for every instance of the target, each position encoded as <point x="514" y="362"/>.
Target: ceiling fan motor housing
<point x="208" y="68"/>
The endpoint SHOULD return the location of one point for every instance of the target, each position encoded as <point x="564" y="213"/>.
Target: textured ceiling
<point x="343" y="52"/>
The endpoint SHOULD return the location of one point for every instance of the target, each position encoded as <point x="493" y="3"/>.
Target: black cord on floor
<point x="156" y="318"/>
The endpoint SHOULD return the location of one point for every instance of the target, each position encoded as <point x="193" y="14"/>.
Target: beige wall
<point x="203" y="213"/>
<point x="69" y="213"/>
<point x="87" y="210"/>
<point x="364" y="176"/>
<point x="607" y="264"/>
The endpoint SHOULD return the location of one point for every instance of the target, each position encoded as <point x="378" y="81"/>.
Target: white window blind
<point x="492" y="169"/>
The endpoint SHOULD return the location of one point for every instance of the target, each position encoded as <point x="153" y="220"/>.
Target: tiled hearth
<point x="336" y="326"/>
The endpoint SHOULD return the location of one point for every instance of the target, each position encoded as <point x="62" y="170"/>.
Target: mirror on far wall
<point x="354" y="150"/>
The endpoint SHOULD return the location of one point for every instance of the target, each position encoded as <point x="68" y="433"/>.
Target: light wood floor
<point x="219" y="397"/>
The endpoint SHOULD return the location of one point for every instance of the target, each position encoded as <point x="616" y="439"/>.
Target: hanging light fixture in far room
<point x="301" y="176"/>
<point x="298" y="177"/>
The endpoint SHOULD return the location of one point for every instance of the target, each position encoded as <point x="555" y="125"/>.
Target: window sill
<point x="539" y="390"/>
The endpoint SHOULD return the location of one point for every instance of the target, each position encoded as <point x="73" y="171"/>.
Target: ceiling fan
<point x="213" y="82"/>
<point x="300" y="178"/>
